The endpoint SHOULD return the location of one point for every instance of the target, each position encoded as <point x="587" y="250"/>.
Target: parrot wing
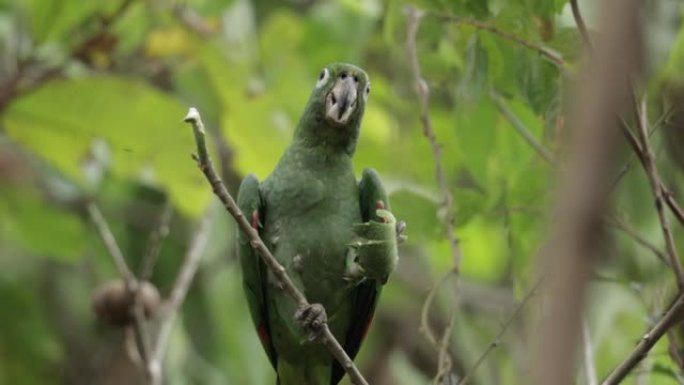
<point x="366" y="294"/>
<point x="254" y="271"/>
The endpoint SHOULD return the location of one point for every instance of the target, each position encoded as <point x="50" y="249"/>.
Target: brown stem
<point x="648" y="340"/>
<point x="604" y="85"/>
<point x="657" y="189"/>
<point x="422" y="92"/>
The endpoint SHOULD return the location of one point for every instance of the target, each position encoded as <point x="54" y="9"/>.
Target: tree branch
<point x="422" y="92"/>
<point x="648" y="340"/>
<point x="177" y="296"/>
<point x="132" y="285"/>
<point x="657" y="189"/>
<point x="154" y="242"/>
<point x="520" y="127"/>
<point x="279" y="272"/>
<point x="581" y="27"/>
<point x="548" y="53"/>
<point x="497" y="340"/>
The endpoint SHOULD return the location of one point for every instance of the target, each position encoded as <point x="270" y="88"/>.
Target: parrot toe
<point x="312" y="318"/>
<point x="400" y="228"/>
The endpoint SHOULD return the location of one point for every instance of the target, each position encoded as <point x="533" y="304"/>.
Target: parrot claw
<point x="312" y="318"/>
<point x="400" y="228"/>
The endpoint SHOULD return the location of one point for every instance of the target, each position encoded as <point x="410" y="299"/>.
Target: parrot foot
<point x="312" y="318"/>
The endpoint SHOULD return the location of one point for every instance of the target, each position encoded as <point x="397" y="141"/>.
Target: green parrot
<point x="335" y="237"/>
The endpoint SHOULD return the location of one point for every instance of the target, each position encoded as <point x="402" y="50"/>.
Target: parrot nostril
<point x="343" y="76"/>
<point x="356" y="79"/>
<point x="333" y="99"/>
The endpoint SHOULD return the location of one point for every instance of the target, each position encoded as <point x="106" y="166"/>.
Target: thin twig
<point x="658" y="123"/>
<point x="504" y="327"/>
<point x="648" y="340"/>
<point x="154" y="242"/>
<point x="546" y="52"/>
<point x="658" y="191"/>
<point x="279" y="272"/>
<point x="581" y="27"/>
<point x="422" y="91"/>
<point x="520" y="127"/>
<point x="112" y="247"/>
<point x="132" y="285"/>
<point x="177" y="296"/>
<point x="192" y="20"/>
<point x="546" y="154"/>
<point x="639" y="151"/>
<point x="638" y="238"/>
<point x="589" y="366"/>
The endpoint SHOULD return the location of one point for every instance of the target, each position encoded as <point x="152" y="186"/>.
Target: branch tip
<point x="193" y="116"/>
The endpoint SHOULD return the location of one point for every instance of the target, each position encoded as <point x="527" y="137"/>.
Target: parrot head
<point x="336" y="106"/>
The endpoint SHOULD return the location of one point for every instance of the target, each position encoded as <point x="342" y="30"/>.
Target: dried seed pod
<point x="113" y="304"/>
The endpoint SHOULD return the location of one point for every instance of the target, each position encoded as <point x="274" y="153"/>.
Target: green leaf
<point x="38" y="228"/>
<point x="141" y="126"/>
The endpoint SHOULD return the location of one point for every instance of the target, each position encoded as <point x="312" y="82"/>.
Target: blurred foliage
<point x="92" y="94"/>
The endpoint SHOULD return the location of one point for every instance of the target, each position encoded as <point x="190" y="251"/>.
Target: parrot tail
<point x="303" y="374"/>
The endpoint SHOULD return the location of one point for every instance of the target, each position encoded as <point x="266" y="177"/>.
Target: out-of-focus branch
<point x="546" y="52"/>
<point x="583" y="191"/>
<point x="154" y="242"/>
<point x="589" y="366"/>
<point x="132" y="285"/>
<point x="189" y="17"/>
<point x="422" y="92"/>
<point x="177" y="296"/>
<point x="520" y="128"/>
<point x="546" y="154"/>
<point x="112" y="246"/>
<point x="497" y="340"/>
<point x="279" y="272"/>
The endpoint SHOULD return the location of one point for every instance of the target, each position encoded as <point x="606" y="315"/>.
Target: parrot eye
<point x="323" y="77"/>
<point x="366" y="92"/>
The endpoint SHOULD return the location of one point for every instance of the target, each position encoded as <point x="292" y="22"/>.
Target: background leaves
<point x="91" y="100"/>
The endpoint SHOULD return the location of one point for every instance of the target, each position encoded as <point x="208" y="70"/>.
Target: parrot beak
<point x="341" y="100"/>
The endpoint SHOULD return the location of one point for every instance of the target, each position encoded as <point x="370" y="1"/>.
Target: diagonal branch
<point x="548" y="53"/>
<point x="154" y="242"/>
<point x="648" y="340"/>
<point x="279" y="272"/>
<point x="177" y="296"/>
<point x="132" y="285"/>
<point x="497" y="340"/>
<point x="520" y="128"/>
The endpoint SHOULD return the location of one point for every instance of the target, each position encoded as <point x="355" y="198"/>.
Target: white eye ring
<point x="366" y="92"/>
<point x="323" y="77"/>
